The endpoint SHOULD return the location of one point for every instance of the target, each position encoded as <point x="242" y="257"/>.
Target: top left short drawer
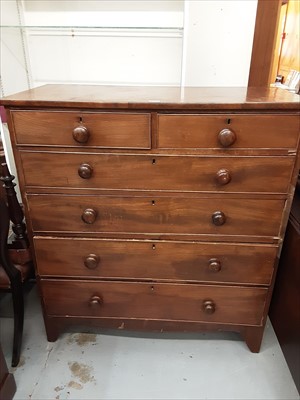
<point x="76" y="129"/>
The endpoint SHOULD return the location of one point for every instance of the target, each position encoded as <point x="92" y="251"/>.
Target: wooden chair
<point x="15" y="259"/>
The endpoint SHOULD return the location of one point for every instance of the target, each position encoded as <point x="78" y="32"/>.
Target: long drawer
<point x="158" y="301"/>
<point x="113" y="171"/>
<point x="154" y="260"/>
<point x="249" y="131"/>
<point x="77" y="129"/>
<point x="80" y="213"/>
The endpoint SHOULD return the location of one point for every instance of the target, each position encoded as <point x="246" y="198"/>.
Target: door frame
<point x="264" y="42"/>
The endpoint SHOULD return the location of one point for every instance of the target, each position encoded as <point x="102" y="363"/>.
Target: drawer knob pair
<point x="218" y="218"/>
<point x="226" y="137"/>
<point x="92" y="261"/>
<point x="208" y="307"/>
<point x="81" y="134"/>
<point x="89" y="216"/>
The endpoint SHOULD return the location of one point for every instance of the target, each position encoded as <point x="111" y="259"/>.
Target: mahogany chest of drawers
<point x="156" y="208"/>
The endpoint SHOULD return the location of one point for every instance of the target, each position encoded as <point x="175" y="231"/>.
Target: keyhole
<point x="153" y="247"/>
<point x="153" y="202"/>
<point x="228" y="121"/>
<point x="153" y="161"/>
<point x="80" y="119"/>
<point x="152" y="288"/>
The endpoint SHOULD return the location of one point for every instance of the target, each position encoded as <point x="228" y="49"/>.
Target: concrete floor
<point x="114" y="365"/>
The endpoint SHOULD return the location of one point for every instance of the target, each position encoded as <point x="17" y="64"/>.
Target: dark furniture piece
<point x="16" y="265"/>
<point x="7" y="380"/>
<point x="285" y="306"/>
<point x="156" y="208"/>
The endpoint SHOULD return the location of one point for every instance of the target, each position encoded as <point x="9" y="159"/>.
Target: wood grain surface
<point x="148" y="172"/>
<point x="156" y="207"/>
<point x="155" y="260"/>
<point x="184" y="216"/>
<point x="154" y="98"/>
<point x="111" y="130"/>
<point x="154" y="301"/>
<point x="252" y="131"/>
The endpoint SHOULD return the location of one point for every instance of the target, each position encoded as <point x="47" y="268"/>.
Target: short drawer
<point x="78" y="213"/>
<point x="154" y="260"/>
<point x="76" y="129"/>
<point x="179" y="302"/>
<point x="228" y="131"/>
<point x="178" y="173"/>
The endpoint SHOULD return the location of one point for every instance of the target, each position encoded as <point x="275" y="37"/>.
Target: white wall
<point x="190" y="42"/>
<point x="109" y="57"/>
<point x="101" y="13"/>
<point x="13" y="66"/>
<point x="218" y="42"/>
<point x="13" y="69"/>
<point x="110" y="42"/>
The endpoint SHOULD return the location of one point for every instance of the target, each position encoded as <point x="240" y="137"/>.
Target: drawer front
<point x="54" y="213"/>
<point x="120" y="130"/>
<point x="249" y="131"/>
<point x="102" y="258"/>
<point x="154" y="301"/>
<point x="108" y="171"/>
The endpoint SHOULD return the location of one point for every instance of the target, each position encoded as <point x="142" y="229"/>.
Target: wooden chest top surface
<point x="155" y="97"/>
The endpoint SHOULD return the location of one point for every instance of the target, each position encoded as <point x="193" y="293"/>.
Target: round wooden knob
<point x="96" y="301"/>
<point x="89" y="216"/>
<point x="218" y="218"/>
<point x="226" y="137"/>
<point x="223" y="176"/>
<point x="214" y="265"/>
<point x="85" y="171"/>
<point x="209" y="307"/>
<point x="81" y="134"/>
<point x="92" y="261"/>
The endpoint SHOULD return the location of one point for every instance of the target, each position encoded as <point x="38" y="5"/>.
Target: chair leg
<point x="18" y="306"/>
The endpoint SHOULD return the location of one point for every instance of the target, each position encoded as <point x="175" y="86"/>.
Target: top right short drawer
<point x="228" y="131"/>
